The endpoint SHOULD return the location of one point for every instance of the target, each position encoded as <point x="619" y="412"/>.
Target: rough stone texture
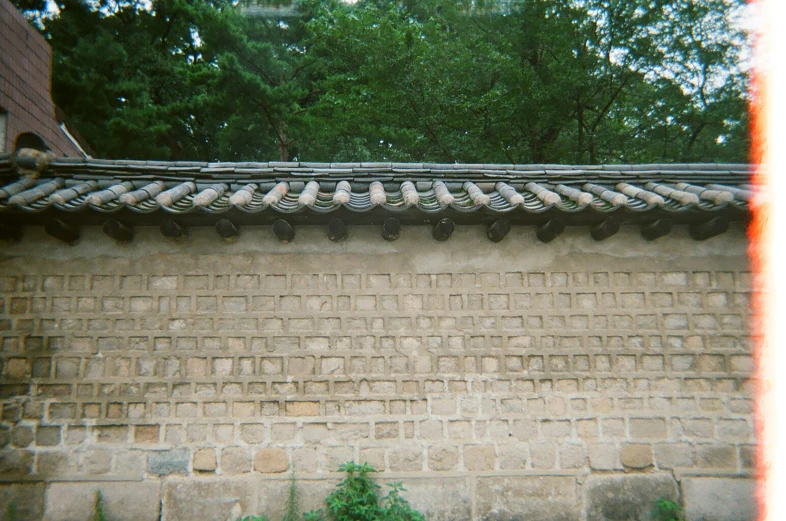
<point x="218" y="499"/>
<point x="271" y="460"/>
<point x="129" y="501"/>
<point x="168" y="462"/>
<point x="443" y="499"/>
<point x="636" y="456"/>
<point x="235" y="460"/>
<point x="719" y="499"/>
<point x="464" y="361"/>
<point x="536" y="498"/>
<point x="28" y="498"/>
<point x="626" y="498"/>
<point x="273" y="495"/>
<point x="205" y="460"/>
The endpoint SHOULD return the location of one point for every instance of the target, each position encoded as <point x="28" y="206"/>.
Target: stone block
<point x="719" y="499"/>
<point x="479" y="457"/>
<point x="302" y="408"/>
<point x="716" y="456"/>
<point x="205" y="460"/>
<point x="626" y="498"/>
<point x="96" y="461"/>
<point x="216" y="499"/>
<point x="271" y="460"/>
<point x="443" y="457"/>
<point x="273" y="495"/>
<point x="52" y="464"/>
<point x="373" y="456"/>
<point x="21" y="436"/>
<point x="28" y="499"/>
<point x="636" y="456"/>
<point x="17" y="368"/>
<point x="438" y="499"/>
<point x="123" y="501"/>
<point x="168" y="462"/>
<point x="543" y="455"/>
<point x="15" y="462"/>
<point x="235" y="460"/>
<point x="146" y="433"/>
<point x="674" y="455"/>
<point x="572" y="456"/>
<point x="406" y="458"/>
<point x="47" y="436"/>
<point x="131" y="462"/>
<point x="513" y="456"/>
<point x="603" y="456"/>
<point x="530" y="498"/>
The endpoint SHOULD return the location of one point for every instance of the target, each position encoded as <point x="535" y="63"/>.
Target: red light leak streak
<point x="768" y="260"/>
<point x="756" y="245"/>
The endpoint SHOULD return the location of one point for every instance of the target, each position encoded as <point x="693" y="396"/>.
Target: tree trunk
<point x="580" y="119"/>
<point x="282" y="141"/>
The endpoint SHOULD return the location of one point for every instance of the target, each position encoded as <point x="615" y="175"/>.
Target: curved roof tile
<point x="165" y="188"/>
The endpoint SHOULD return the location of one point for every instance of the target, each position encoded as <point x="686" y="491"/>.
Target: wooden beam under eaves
<point x="62" y="231"/>
<point x="605" y="229"/>
<point x="118" y="231"/>
<point x="550" y="230"/>
<point x="337" y="230"/>
<point x="391" y="229"/>
<point x="10" y="232"/>
<point x="227" y="230"/>
<point x="443" y="230"/>
<point x="709" y="229"/>
<point x="284" y="231"/>
<point x="498" y="230"/>
<point x="173" y="230"/>
<point x="656" y="229"/>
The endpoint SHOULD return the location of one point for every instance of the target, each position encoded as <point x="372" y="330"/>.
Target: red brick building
<point x="26" y="105"/>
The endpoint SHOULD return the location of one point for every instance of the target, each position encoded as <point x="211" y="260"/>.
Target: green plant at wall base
<point x="396" y="508"/>
<point x="667" y="510"/>
<point x="292" y="511"/>
<point x="98" y="508"/>
<point x="11" y="512"/>
<point x="356" y="499"/>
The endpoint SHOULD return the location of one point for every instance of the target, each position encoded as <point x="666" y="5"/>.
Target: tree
<point x="262" y="87"/>
<point x="529" y="81"/>
<point x="511" y="81"/>
<point x="172" y="79"/>
<point x="129" y="77"/>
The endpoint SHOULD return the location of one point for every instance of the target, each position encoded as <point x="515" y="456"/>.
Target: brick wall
<point x="496" y="380"/>
<point x="25" y="84"/>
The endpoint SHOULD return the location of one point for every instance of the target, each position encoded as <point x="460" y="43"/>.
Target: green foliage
<point x="11" y="512"/>
<point x="396" y="508"/>
<point x="135" y="81"/>
<point x="667" y="510"/>
<point x="253" y="518"/>
<point x="536" y="81"/>
<point x="356" y="499"/>
<point x="292" y="512"/>
<point x="519" y="81"/>
<point x="314" y="515"/>
<point x="98" y="508"/>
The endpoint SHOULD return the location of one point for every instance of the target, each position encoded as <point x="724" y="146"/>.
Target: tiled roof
<point x="76" y="185"/>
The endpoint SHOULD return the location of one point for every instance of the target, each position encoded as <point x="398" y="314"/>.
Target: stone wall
<point x="574" y="380"/>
